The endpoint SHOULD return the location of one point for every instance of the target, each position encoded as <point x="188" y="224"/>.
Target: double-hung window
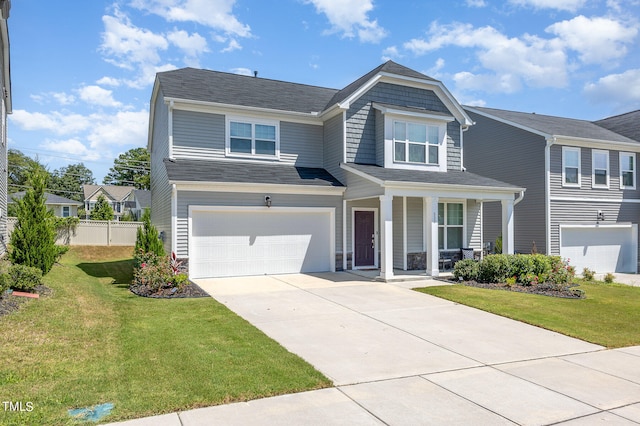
<point x="450" y="226"/>
<point x="66" y="211"/>
<point x="600" y="167"/>
<point x="570" y="166"/>
<point x="415" y="143"/>
<point x="627" y="170"/>
<point x="258" y="139"/>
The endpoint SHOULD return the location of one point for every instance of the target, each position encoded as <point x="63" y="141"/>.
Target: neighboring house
<point x="141" y="201"/>
<point x="118" y="197"/>
<point x="582" y="200"/>
<point x="255" y="176"/>
<point x="627" y="124"/>
<point x="61" y="206"/>
<point x="5" y="108"/>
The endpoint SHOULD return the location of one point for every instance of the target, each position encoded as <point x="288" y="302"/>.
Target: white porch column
<point x="507" y="227"/>
<point x="386" y="237"/>
<point x="431" y="235"/>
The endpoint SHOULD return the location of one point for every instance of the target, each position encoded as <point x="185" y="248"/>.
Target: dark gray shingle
<point x="627" y="124"/>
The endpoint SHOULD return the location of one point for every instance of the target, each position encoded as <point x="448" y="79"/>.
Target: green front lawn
<point x="94" y="342"/>
<point x="609" y="316"/>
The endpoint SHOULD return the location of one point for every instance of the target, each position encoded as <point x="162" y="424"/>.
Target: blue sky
<point x="83" y="70"/>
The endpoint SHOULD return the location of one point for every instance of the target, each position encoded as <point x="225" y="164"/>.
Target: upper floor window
<point x="627" y="170"/>
<point x="600" y="160"/>
<point x="450" y="225"/>
<point x="570" y="166"/>
<point x="245" y="137"/>
<point x="416" y="143"/>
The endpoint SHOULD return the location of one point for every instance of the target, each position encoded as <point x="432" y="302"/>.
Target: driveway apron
<point x="398" y="356"/>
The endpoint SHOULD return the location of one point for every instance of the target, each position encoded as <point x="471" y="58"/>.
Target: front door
<point x="364" y="236"/>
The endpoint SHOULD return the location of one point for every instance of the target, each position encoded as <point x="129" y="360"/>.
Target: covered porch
<point x="405" y="219"/>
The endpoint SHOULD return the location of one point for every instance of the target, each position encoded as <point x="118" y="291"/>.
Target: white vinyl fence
<point x="94" y="233"/>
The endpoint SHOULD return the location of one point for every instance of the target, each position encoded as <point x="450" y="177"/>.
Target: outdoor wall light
<point x="267" y="201"/>
<point x="600" y="215"/>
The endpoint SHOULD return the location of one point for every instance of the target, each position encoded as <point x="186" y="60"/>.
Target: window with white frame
<point x="600" y="168"/>
<point x="415" y="143"/>
<point x="627" y="170"/>
<point x="246" y="137"/>
<point x="66" y="211"/>
<point x="570" y="166"/>
<point x="450" y="226"/>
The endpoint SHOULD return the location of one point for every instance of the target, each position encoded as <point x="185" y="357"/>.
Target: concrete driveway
<point x="401" y="357"/>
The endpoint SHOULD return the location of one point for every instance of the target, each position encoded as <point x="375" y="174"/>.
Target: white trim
<point x="344" y="136"/>
<point x="253" y="122"/>
<point x="566" y="149"/>
<point x="404" y="233"/>
<point x="244" y="187"/>
<point x="170" y="128"/>
<point x="593" y="169"/>
<point x="389" y="142"/>
<point x="632" y="155"/>
<point x="344" y="235"/>
<point x="376" y="232"/>
<point x="426" y="115"/>
<point x="445" y="201"/>
<point x="547" y="193"/>
<point x="174" y="218"/>
<point x="597" y="200"/>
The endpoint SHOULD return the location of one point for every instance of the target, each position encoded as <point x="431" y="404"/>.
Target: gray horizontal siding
<point x="474" y="225"/>
<point x="198" y="135"/>
<point x="398" y="233"/>
<point x="358" y="187"/>
<point x="160" y="188"/>
<point x="415" y="225"/>
<point x="301" y="144"/>
<point x="333" y="136"/>
<point x="202" y="198"/>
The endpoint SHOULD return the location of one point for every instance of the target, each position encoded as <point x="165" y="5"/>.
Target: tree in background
<point x="33" y="240"/>
<point x="67" y="181"/>
<point x="102" y="210"/>
<point x="20" y="166"/>
<point x="130" y="168"/>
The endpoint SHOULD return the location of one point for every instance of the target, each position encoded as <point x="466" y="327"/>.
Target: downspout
<point x="547" y="191"/>
<point x="170" y="128"/>
<point x="174" y="218"/>
<point x="520" y="198"/>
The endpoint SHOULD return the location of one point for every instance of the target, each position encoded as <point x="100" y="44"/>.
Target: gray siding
<point x="379" y="139"/>
<point x="160" y="188"/>
<point x="333" y="149"/>
<point x="398" y="230"/>
<point x="202" y="136"/>
<point x="585" y="190"/>
<point x="202" y="198"/>
<point x="511" y="155"/>
<point x="454" y="153"/>
<point x="474" y="225"/>
<point x="415" y="225"/>
<point x="361" y="120"/>
<point x="358" y="187"/>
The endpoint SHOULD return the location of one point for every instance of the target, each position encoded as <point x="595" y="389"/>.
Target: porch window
<point x="415" y="143"/>
<point x="600" y="160"/>
<point x="570" y="166"/>
<point x="627" y="170"/>
<point x="252" y="138"/>
<point x="450" y="225"/>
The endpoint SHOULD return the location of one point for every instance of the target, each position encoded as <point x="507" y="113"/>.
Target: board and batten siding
<point x="202" y="135"/>
<point x="585" y="190"/>
<point x="515" y="156"/>
<point x="361" y="124"/>
<point x="160" y="188"/>
<point x="575" y="212"/>
<point x="206" y="198"/>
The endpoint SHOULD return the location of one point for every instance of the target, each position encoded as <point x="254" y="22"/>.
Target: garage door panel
<point x="603" y="248"/>
<point x="235" y="243"/>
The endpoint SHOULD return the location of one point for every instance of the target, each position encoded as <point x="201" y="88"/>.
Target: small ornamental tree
<point x="33" y="240"/>
<point x="147" y="237"/>
<point x="102" y="210"/>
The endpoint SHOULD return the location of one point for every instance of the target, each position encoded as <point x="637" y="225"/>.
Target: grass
<point x="93" y="342"/>
<point x="608" y="316"/>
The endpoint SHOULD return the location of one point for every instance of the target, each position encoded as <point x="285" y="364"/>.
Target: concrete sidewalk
<point x="401" y="357"/>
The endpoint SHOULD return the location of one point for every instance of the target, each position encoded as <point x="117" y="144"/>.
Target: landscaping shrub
<point x="561" y="272"/>
<point x="155" y="273"/>
<point x="147" y="237"/>
<point x="23" y="278"/>
<point x="466" y="269"/>
<point x="588" y="274"/>
<point x="4" y="283"/>
<point x="494" y="268"/>
<point x="609" y="278"/>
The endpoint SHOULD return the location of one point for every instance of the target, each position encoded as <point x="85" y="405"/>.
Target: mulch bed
<point x="567" y="292"/>
<point x="190" y="290"/>
<point x="9" y="303"/>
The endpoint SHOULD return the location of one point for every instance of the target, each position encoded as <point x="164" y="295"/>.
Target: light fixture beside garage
<point x="600" y="216"/>
<point x="267" y="201"/>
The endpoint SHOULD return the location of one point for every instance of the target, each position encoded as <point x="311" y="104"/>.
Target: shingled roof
<point x="555" y="126"/>
<point x="627" y="124"/>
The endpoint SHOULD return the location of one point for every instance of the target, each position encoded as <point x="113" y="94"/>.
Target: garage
<point x="603" y="248"/>
<point x="237" y="241"/>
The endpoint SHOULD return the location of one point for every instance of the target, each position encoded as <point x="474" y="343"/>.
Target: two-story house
<point x="256" y="176"/>
<point x="5" y="108"/>
<point x="119" y="197"/>
<point x="583" y="198"/>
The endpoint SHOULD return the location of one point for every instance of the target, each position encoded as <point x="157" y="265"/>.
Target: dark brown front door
<point x="364" y="229"/>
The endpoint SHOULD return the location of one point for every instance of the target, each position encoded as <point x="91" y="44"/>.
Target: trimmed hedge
<point x="526" y="269"/>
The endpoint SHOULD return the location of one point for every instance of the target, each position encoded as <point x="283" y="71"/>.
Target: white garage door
<point x="611" y="248"/>
<point x="227" y="242"/>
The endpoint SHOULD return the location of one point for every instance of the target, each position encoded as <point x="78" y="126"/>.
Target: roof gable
<point x="49" y="199"/>
<point x="114" y="192"/>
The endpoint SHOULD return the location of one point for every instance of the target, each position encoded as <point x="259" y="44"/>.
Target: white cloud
<point x="55" y="122"/>
<point x="96" y="95"/>
<point x="60" y="98"/>
<point x="597" y="40"/>
<point x="233" y="45"/>
<point x="242" y="71"/>
<point x="566" y="5"/>
<point x="476" y="3"/>
<point x="350" y="17"/>
<point x="71" y="146"/>
<point x="216" y="14"/>
<point x="511" y="61"/>
<point x="391" y="52"/>
<point x="192" y="44"/>
<point x="108" y="81"/>
<point x="622" y="89"/>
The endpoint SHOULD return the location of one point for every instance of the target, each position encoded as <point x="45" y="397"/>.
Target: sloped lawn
<point x="609" y="315"/>
<point x="92" y="342"/>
